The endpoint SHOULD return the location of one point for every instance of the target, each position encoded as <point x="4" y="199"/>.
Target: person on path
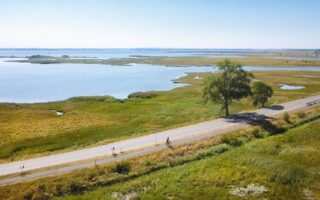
<point x="168" y="142"/>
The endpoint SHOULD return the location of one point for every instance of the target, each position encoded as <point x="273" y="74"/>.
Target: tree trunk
<point x="226" y="107"/>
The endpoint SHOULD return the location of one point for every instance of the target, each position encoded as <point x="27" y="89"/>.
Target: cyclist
<point x="168" y="142"/>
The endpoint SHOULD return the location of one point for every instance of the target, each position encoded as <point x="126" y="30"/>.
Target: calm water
<point x="29" y="83"/>
<point x="290" y="87"/>
<point x="123" y="53"/>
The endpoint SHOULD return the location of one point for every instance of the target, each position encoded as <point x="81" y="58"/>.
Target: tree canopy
<point x="261" y="92"/>
<point x="233" y="83"/>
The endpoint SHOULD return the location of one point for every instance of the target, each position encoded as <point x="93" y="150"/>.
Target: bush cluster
<point x="217" y="149"/>
<point x="257" y="133"/>
<point x="142" y="95"/>
<point x="287" y="174"/>
<point x="286" y="117"/>
<point x="231" y="140"/>
<point x="301" y="115"/>
<point x="122" y="168"/>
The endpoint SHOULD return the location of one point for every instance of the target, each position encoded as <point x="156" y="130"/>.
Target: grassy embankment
<point x="253" y="60"/>
<point x="29" y="130"/>
<point x="281" y="164"/>
<point x="281" y="167"/>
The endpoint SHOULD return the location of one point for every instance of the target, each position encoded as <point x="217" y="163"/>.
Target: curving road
<point x="187" y="133"/>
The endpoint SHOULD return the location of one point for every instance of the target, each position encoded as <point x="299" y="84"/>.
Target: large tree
<point x="233" y="83"/>
<point x="261" y="92"/>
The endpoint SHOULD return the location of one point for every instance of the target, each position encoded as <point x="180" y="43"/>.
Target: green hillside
<point x="279" y="167"/>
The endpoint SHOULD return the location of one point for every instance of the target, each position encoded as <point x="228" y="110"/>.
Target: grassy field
<point x="280" y="163"/>
<point x="293" y="54"/>
<point x="29" y="130"/>
<point x="251" y="60"/>
<point x="280" y="167"/>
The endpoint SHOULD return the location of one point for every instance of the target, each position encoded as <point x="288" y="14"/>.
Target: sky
<point x="160" y="24"/>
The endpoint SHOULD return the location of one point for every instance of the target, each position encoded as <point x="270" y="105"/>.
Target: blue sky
<point x="160" y="23"/>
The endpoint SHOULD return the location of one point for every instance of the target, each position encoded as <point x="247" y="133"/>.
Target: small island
<point x="272" y="58"/>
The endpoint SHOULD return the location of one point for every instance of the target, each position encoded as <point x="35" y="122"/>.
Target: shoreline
<point x="270" y="60"/>
<point x="177" y="84"/>
<point x="100" y="118"/>
<point x="108" y="96"/>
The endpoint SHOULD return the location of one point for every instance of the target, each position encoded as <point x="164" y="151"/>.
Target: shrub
<point x="301" y="115"/>
<point x="42" y="187"/>
<point x="221" y="148"/>
<point x="156" y="168"/>
<point x="268" y="147"/>
<point x="202" y="155"/>
<point x="122" y="168"/>
<point x="257" y="133"/>
<point x="231" y="140"/>
<point x="172" y="163"/>
<point x="287" y="174"/>
<point x="76" y="187"/>
<point x="217" y="149"/>
<point x="93" y="98"/>
<point x="41" y="196"/>
<point x="148" y="163"/>
<point x="37" y="56"/>
<point x="28" y="196"/>
<point x="286" y="117"/>
<point x="142" y="95"/>
<point x="59" y="190"/>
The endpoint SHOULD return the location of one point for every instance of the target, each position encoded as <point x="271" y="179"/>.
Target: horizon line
<point x="187" y="48"/>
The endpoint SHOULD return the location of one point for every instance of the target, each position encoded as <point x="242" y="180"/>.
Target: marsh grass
<point x="207" y="167"/>
<point x="256" y="60"/>
<point x="284" y="177"/>
<point x="143" y="95"/>
<point x="122" y="168"/>
<point x="30" y="130"/>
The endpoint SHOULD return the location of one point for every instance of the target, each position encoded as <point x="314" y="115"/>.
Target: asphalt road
<point x="145" y="144"/>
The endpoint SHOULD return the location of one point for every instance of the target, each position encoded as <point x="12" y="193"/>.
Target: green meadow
<point x="253" y="163"/>
<point x="284" y="166"/>
<point x="250" y="59"/>
<point x="30" y="130"/>
<point x="160" y="100"/>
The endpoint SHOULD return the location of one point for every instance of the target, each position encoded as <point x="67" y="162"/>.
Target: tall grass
<point x="260" y="160"/>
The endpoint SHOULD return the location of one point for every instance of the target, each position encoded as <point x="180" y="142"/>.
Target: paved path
<point x="141" y="145"/>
